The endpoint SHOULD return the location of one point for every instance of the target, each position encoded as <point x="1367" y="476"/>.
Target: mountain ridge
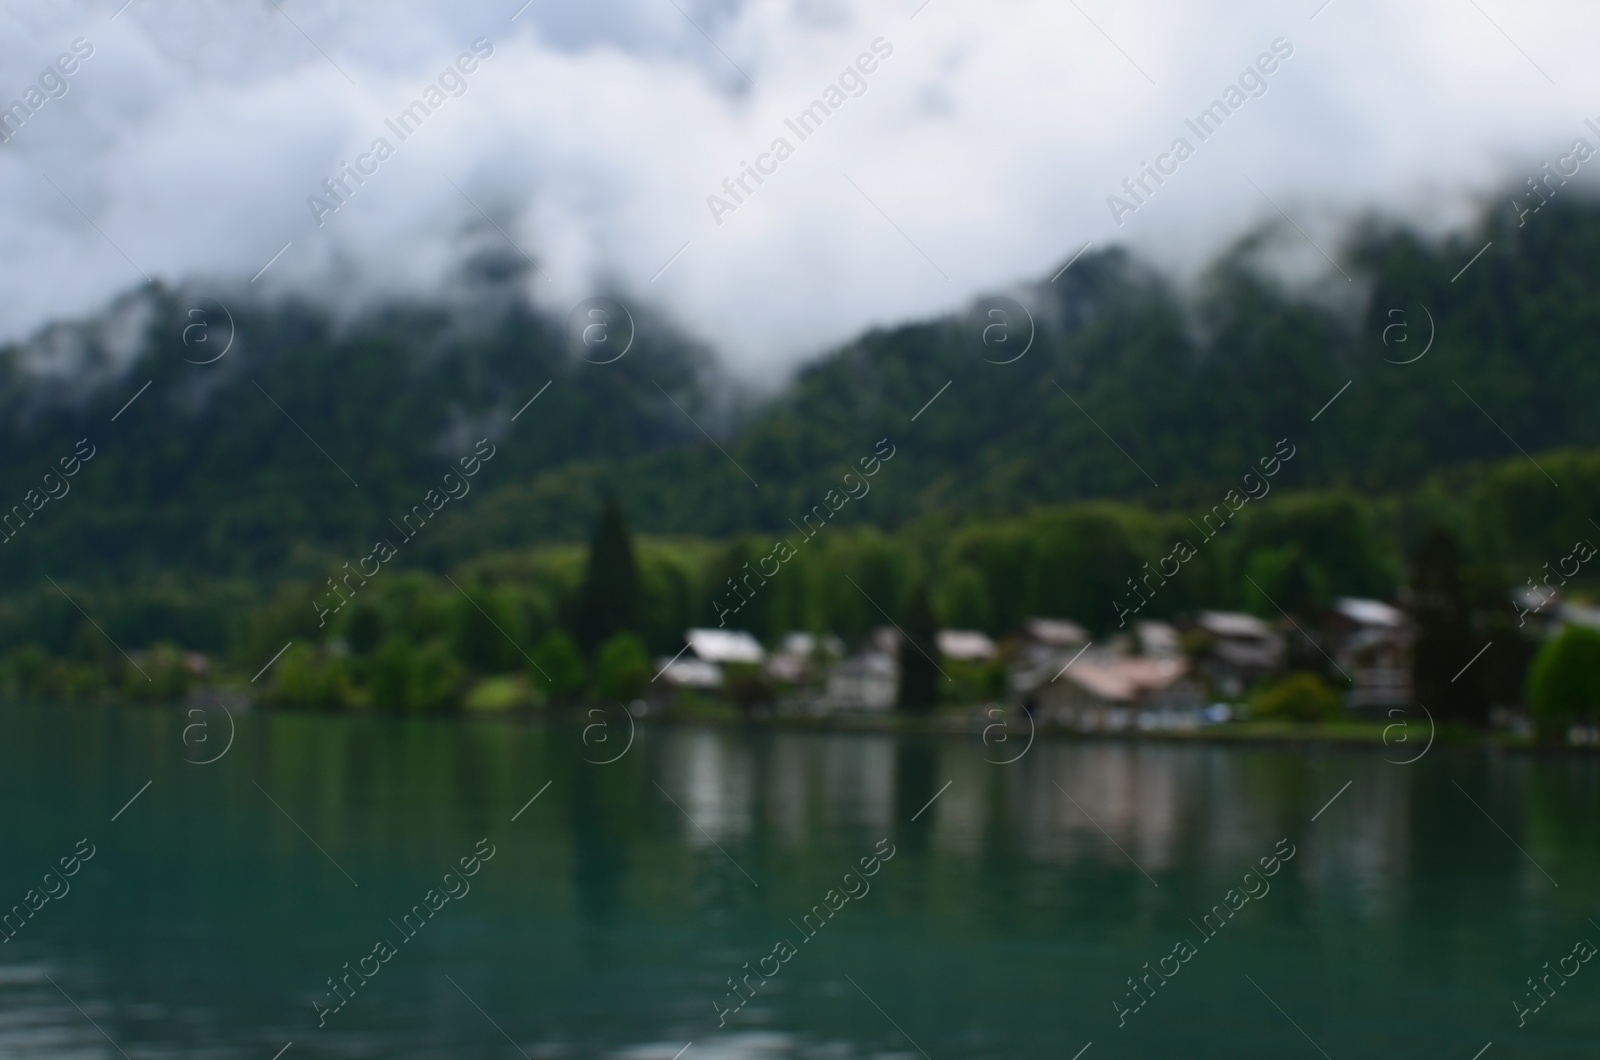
<point x="1127" y="382"/>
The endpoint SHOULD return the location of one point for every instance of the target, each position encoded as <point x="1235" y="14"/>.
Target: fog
<point x="979" y="151"/>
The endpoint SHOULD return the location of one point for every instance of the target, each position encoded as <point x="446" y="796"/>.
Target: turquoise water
<point x="611" y="913"/>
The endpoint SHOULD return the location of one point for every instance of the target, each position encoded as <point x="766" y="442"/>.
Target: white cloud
<point x="991" y="139"/>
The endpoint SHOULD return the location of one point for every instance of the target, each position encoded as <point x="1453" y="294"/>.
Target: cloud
<point x="981" y="152"/>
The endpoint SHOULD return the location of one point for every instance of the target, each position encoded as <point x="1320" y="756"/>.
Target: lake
<point x="1091" y="891"/>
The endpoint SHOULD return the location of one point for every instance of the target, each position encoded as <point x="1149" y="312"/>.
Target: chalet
<point x="1237" y="650"/>
<point x="1371" y="641"/>
<point x="700" y="664"/>
<point x="1109" y="692"/>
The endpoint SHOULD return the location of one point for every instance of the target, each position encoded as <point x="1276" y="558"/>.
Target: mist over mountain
<point x="195" y="145"/>
<point x="311" y="435"/>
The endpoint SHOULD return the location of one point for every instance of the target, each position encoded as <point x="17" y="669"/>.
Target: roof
<point x="1125" y="679"/>
<point x="1058" y="631"/>
<point x="1580" y="615"/>
<point x="725" y="646"/>
<point x="1233" y="624"/>
<point x="1369" y="612"/>
<point x="965" y="644"/>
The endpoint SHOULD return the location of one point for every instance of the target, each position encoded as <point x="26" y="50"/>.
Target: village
<point x="1197" y="671"/>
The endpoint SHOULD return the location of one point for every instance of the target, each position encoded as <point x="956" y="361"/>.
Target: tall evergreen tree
<point x="1444" y="643"/>
<point x="919" y="654"/>
<point x="609" y="601"/>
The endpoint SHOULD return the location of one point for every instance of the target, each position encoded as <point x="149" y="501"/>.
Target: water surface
<point x="616" y="907"/>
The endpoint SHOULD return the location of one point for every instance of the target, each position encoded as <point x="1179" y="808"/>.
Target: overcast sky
<point x="981" y="151"/>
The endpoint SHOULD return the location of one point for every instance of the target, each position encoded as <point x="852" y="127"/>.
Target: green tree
<point x="1441" y="611"/>
<point x="622" y="668"/>
<point x="164" y="678"/>
<point x="479" y="629"/>
<point x="436" y="678"/>
<point x="747" y="684"/>
<point x="409" y="678"/>
<point x="739" y="589"/>
<point x="364" y="630"/>
<point x="1564" y="681"/>
<point x="391" y="674"/>
<point x="302" y="679"/>
<point x="558" y="669"/>
<point x="919" y="654"/>
<point x="964" y="597"/>
<point x="1288" y="579"/>
<point x="608" y="603"/>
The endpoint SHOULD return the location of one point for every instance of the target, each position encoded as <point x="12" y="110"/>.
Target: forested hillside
<point x="213" y="470"/>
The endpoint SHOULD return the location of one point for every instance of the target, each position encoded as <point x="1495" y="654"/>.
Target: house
<point x="1238" y="650"/>
<point x="795" y="661"/>
<point x="1570" y="614"/>
<point x="1371" y="642"/>
<point x="1158" y="640"/>
<point x="700" y="664"/>
<point x="688" y="672"/>
<point x="725" y="646"/>
<point x="868" y="681"/>
<point x="1114" y="692"/>
<point x="1047" y="645"/>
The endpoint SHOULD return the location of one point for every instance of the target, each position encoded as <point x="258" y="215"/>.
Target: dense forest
<point x="215" y="510"/>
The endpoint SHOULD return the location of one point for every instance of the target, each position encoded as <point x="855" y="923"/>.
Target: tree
<point x="919" y="654"/>
<point x="747" y="684"/>
<point x="1564" y="681"/>
<point x="1288" y="579"/>
<point x="558" y="669"/>
<point x="365" y="628"/>
<point x="1298" y="697"/>
<point x="436" y="678"/>
<point x="479" y="632"/>
<point x="622" y="668"/>
<point x="1441" y="609"/>
<point x="302" y="679"/>
<point x="609" y="601"/>
<point x="411" y="678"/>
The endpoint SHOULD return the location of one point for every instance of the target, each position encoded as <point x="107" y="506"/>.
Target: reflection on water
<point x="626" y="897"/>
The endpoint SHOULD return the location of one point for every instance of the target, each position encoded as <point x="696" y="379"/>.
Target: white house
<point x="869" y="681"/>
<point x="1241" y="649"/>
<point x="1372" y="643"/>
<point x="700" y="664"/>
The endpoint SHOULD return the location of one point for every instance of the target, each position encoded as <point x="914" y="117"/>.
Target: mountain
<point x="309" y="434"/>
<point x="312" y="433"/>
<point x="1131" y="382"/>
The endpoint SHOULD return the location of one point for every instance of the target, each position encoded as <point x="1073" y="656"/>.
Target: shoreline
<point x="969" y="723"/>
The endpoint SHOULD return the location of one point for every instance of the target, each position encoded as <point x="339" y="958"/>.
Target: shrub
<point x="1298" y="697"/>
<point x="436" y="678"/>
<point x="558" y="669"/>
<point x="747" y="685"/>
<point x="164" y="678"/>
<point x="302" y="679"/>
<point x="622" y="668"/>
<point x="408" y="678"/>
<point x="494" y="694"/>
<point x="1564" y="681"/>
